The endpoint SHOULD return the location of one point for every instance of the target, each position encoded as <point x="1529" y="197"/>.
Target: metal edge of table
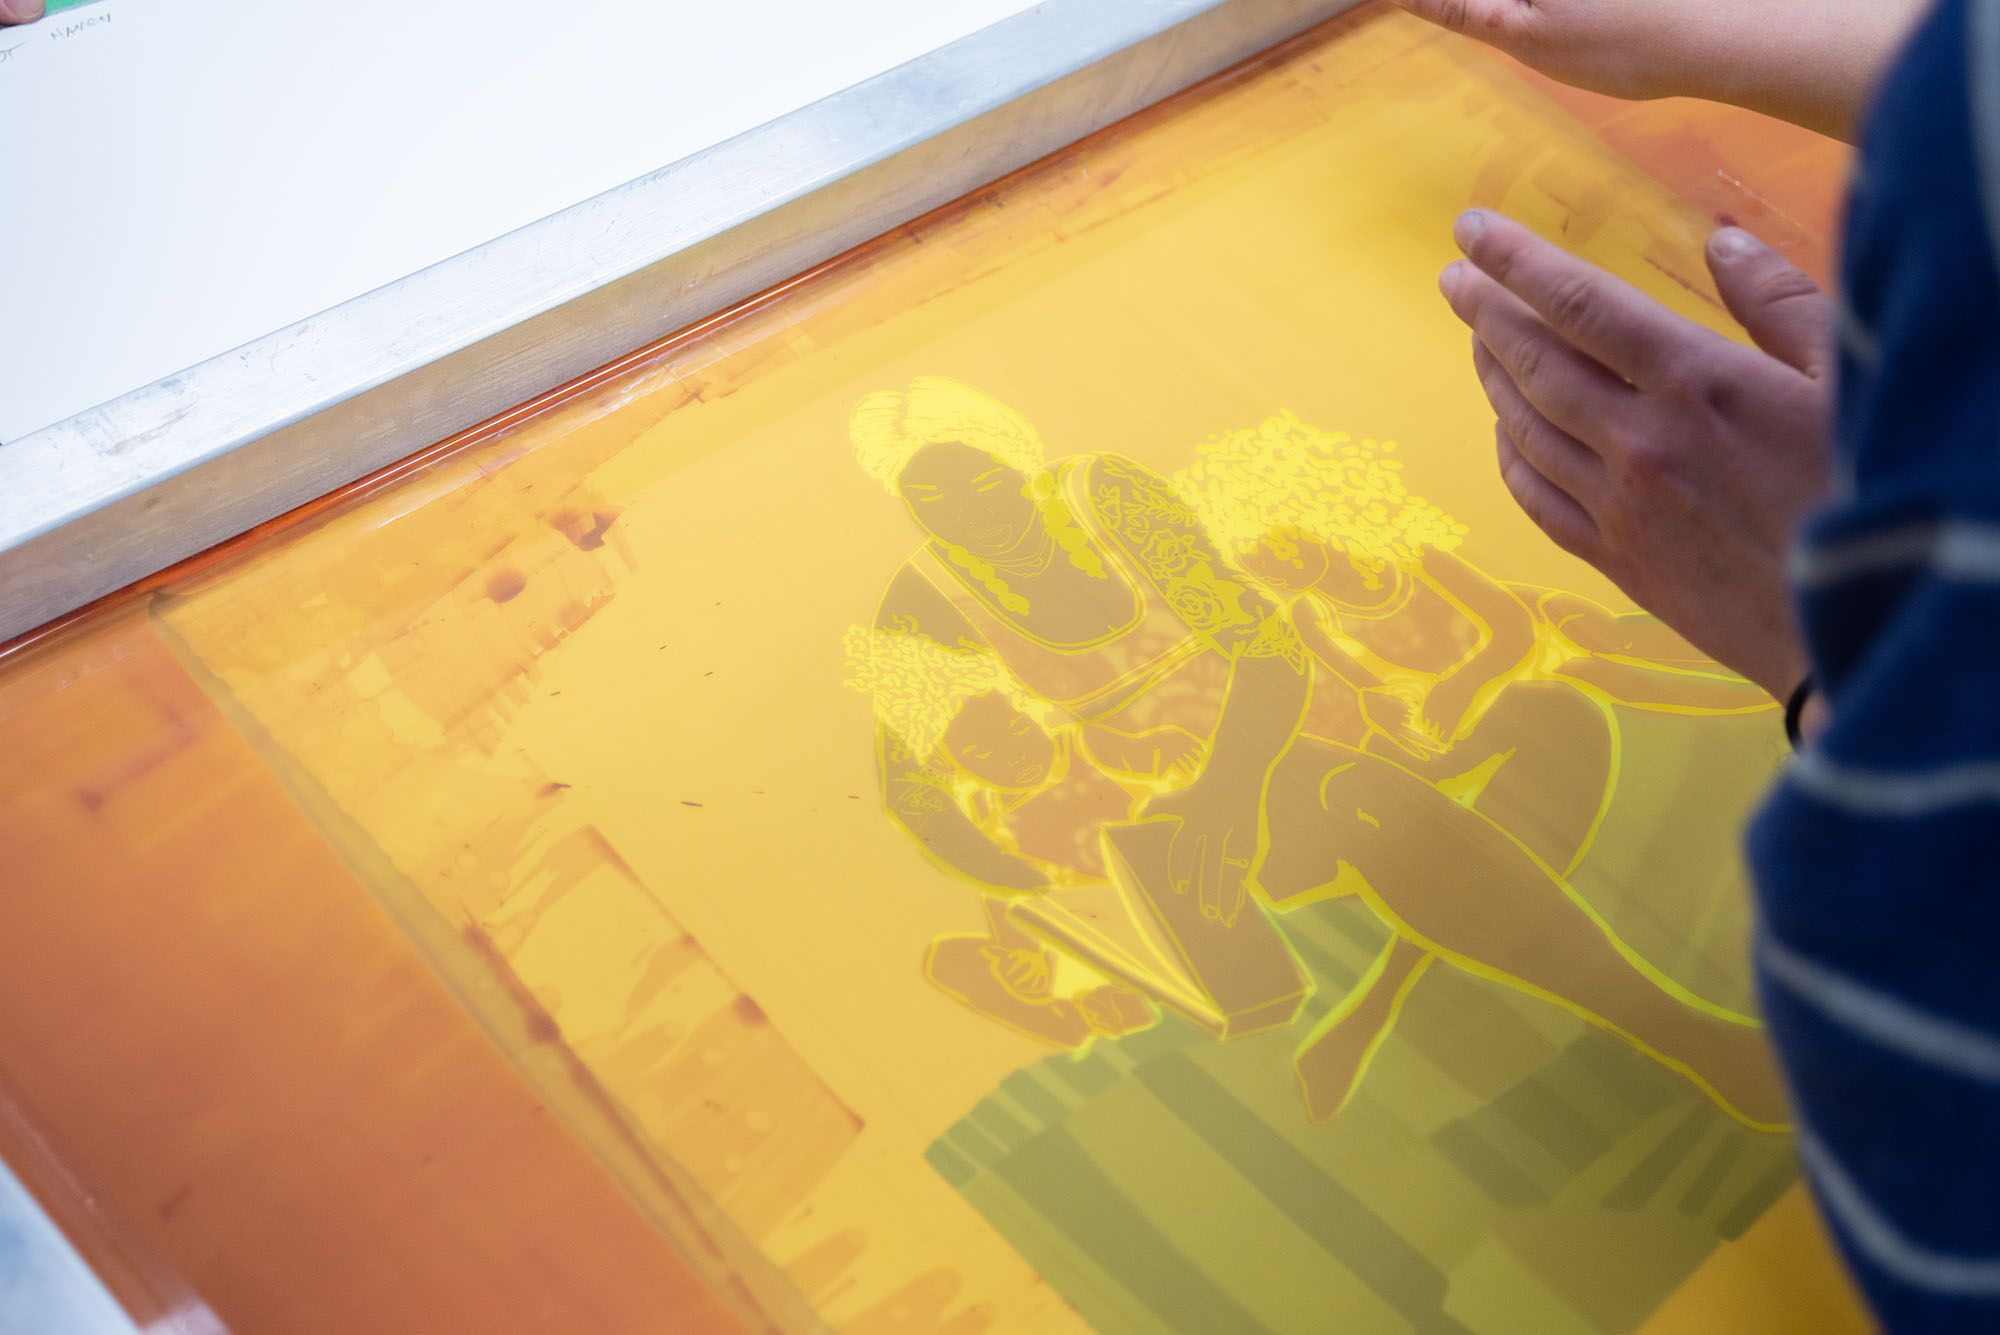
<point x="127" y="488"/>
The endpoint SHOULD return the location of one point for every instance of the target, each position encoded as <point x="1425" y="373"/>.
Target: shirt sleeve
<point x="1877" y="859"/>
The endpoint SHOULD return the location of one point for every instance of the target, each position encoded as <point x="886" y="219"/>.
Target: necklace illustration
<point x="989" y="578"/>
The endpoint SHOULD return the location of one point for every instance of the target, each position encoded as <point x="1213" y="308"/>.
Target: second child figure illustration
<point x="1502" y="694"/>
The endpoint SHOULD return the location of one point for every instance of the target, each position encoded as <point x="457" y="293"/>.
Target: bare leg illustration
<point x="1334" y="1055"/>
<point x="1455" y="884"/>
<point x="1539" y="764"/>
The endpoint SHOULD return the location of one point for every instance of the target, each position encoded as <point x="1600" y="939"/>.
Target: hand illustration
<point x="1113" y="1010"/>
<point x="1173" y="755"/>
<point x="1022" y="970"/>
<point x="1213" y="844"/>
<point x="1393" y="716"/>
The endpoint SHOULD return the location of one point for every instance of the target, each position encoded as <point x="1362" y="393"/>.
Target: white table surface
<point x="181" y="177"/>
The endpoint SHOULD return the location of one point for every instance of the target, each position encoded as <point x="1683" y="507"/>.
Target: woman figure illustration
<point x="1099" y="662"/>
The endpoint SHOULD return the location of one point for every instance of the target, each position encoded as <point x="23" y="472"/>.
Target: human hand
<point x="20" y="11"/>
<point x="1400" y="721"/>
<point x="1113" y="1010"/>
<point x="1215" y="838"/>
<point x="1674" y="460"/>
<point x="1627" y="48"/>
<point x="1811" y="62"/>
<point x="1169" y="753"/>
<point x="1442" y="712"/>
<point x="1022" y="970"/>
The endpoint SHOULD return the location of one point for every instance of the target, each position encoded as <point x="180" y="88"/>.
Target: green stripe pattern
<point x="1504" y="1166"/>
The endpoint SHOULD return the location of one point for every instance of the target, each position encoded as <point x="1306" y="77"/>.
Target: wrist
<point x="1810" y="62"/>
<point x="1676" y="41"/>
<point x="1776" y="658"/>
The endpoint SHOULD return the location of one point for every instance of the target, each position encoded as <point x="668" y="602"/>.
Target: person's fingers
<point x="21" y="11"/>
<point x="1183" y="859"/>
<point x="1485" y="19"/>
<point x="1782" y="310"/>
<point x="1233" y="873"/>
<point x="1568" y="388"/>
<point x="1601" y="316"/>
<point x="1554" y="513"/>
<point x="1208" y="887"/>
<point x="1221" y="877"/>
<point x="1567" y="463"/>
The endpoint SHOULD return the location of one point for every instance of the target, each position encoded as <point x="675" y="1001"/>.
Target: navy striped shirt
<point x="1878" y="857"/>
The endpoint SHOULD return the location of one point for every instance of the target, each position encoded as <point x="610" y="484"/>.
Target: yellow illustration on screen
<point x="1149" y="717"/>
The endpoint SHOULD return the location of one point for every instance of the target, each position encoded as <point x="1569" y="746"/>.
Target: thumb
<point x="20" y="11"/>
<point x="1782" y="310"/>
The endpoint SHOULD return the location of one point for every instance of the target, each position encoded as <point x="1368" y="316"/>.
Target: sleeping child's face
<point x="996" y="743"/>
